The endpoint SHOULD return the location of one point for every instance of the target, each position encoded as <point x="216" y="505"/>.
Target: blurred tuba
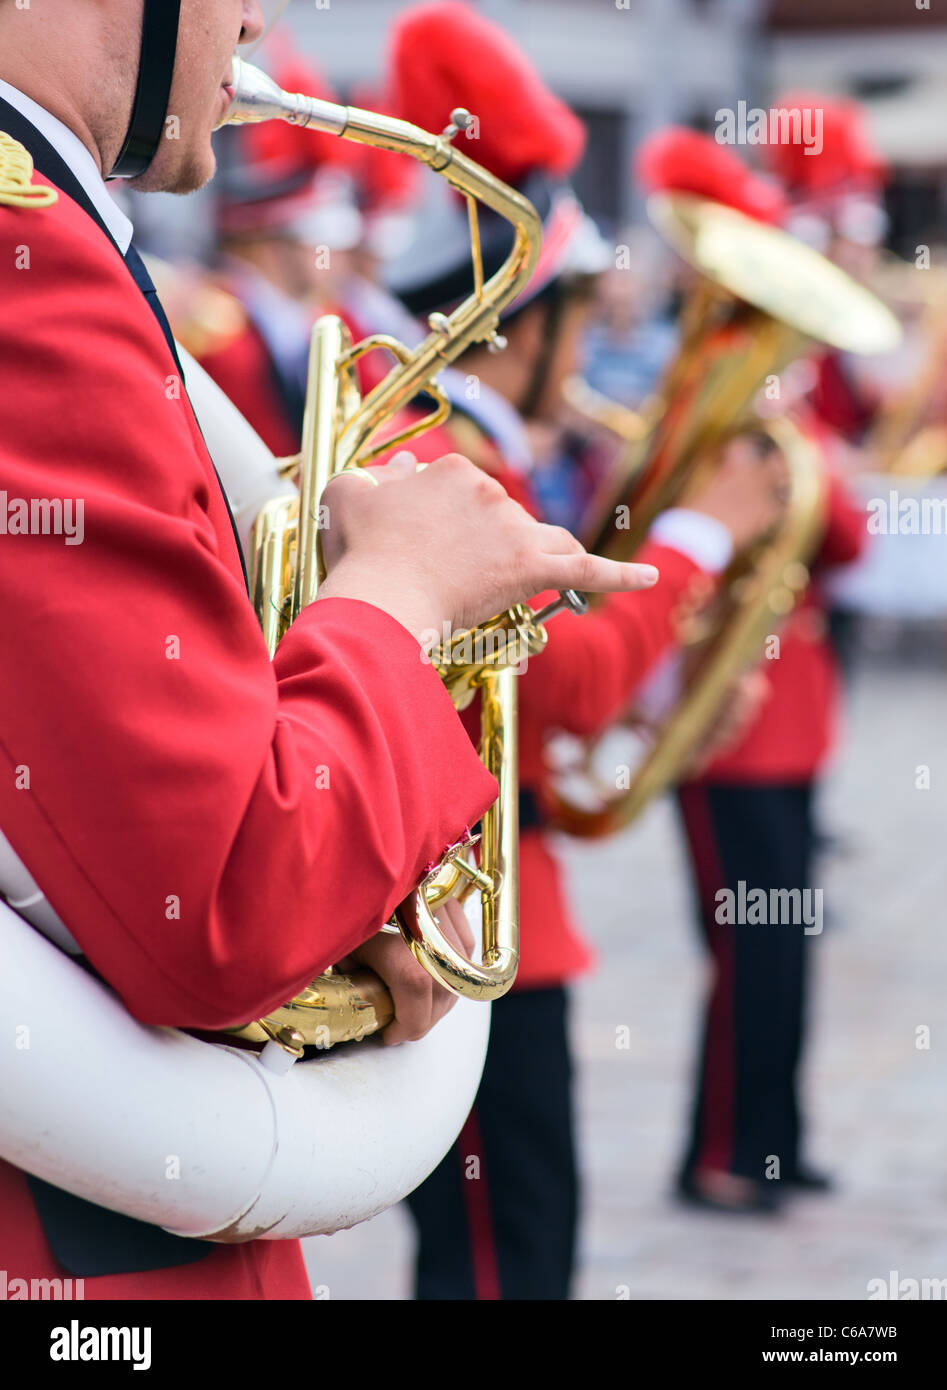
<point x="761" y="297"/>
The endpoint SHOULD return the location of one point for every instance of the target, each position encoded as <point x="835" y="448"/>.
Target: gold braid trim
<point x="16" y="177"/>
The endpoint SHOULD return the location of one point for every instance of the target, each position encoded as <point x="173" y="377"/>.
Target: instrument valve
<point x="460" y="119"/>
<point x="569" y="601"/>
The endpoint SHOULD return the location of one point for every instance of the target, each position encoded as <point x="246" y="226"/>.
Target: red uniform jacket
<point x="163" y="782"/>
<point x="796" y="727"/>
<point x="838" y="400"/>
<point x="244" y="370"/>
<point x="583" y="682"/>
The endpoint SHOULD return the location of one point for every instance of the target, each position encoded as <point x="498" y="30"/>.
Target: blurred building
<point x="891" y="55"/>
<point x="630" y="65"/>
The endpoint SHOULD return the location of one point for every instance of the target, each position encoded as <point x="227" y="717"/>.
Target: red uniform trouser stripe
<point x="718" y="1089"/>
<point x="497" y="1217"/>
<point x="483" y="1248"/>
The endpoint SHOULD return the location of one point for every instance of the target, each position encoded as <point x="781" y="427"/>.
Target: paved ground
<point x="877" y="1101"/>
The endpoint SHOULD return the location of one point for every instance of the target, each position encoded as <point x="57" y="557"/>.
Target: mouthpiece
<point x="258" y="98"/>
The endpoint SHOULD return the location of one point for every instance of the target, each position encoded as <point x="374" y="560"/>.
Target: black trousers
<point x="497" y="1218"/>
<point x="745" y="1107"/>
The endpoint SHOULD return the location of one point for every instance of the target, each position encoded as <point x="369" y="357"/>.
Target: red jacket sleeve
<point x="214" y="828"/>
<point x="846" y="531"/>
<point x="846" y="528"/>
<point x="593" y="665"/>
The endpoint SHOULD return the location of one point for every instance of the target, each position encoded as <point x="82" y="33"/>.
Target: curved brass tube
<point x="340" y="431"/>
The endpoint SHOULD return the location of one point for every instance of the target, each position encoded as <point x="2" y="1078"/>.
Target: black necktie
<point x="139" y="273"/>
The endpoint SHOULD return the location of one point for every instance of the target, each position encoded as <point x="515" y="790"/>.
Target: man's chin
<point x="185" y="174"/>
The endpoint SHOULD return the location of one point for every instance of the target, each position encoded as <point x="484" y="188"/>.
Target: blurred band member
<point x="748" y="820"/>
<point x="497" y="1219"/>
<point x="836" y="192"/>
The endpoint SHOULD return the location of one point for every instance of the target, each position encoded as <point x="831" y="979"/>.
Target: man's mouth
<point x="225" y="97"/>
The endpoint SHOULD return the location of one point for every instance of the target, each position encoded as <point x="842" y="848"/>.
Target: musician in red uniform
<point x="748" y="820"/>
<point x="150" y="749"/>
<point x="837" y="205"/>
<point x="497" y="1218"/>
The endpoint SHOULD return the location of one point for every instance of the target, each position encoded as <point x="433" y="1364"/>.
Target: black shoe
<point x="810" y="1180"/>
<point x="759" y="1199"/>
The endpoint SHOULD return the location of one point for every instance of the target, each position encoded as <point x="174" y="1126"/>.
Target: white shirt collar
<point x="79" y="159"/>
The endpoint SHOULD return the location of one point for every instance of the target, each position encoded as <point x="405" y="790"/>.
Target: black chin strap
<point x="159" y="42"/>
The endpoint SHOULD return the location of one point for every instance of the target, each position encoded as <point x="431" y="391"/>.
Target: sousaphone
<point x="760" y="300"/>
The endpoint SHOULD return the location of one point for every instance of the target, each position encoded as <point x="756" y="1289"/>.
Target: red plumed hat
<point x="846" y="158"/>
<point x="678" y="160"/>
<point x="445" y="55"/>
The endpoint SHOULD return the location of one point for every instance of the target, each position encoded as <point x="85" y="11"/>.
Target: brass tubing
<point x="338" y="431"/>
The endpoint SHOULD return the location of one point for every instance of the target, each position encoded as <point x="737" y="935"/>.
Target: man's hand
<point x="747" y="492"/>
<point x="419" y="1000"/>
<point x="446" y="544"/>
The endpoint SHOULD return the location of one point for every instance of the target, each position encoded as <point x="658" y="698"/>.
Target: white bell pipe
<point x="202" y="1139"/>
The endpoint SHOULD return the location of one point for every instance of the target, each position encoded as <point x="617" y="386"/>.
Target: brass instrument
<point x="761" y="299"/>
<point x="630" y="426"/>
<point x="905" y="439"/>
<point x="340" y="433"/>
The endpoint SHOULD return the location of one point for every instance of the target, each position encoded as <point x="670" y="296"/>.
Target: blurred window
<point x="601" y="180"/>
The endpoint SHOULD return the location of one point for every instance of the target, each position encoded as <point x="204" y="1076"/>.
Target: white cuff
<point x="703" y="539"/>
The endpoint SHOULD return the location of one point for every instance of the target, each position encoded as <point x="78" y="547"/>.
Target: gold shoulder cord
<point x="16" y="177"/>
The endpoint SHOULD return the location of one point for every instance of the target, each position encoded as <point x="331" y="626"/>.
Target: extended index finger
<point x="595" y="574"/>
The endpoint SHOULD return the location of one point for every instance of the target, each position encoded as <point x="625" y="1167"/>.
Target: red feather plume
<point x="445" y="55"/>
<point x="847" y="155"/>
<point x="678" y="160"/>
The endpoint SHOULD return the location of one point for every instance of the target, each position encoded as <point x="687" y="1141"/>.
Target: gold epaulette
<point x="205" y="317"/>
<point x="17" y="189"/>
<point x="217" y="320"/>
